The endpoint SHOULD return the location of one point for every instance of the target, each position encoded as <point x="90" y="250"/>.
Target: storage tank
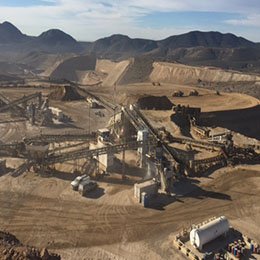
<point x="208" y="232"/>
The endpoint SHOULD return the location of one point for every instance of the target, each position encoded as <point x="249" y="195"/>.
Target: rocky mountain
<point x="56" y="39"/>
<point x="122" y="45"/>
<point x="53" y="41"/>
<point x="10" y="34"/>
<point x="194" y="48"/>
<point x="205" y="39"/>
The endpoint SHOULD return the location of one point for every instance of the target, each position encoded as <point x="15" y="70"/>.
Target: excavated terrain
<point x="43" y="210"/>
<point x="65" y="93"/>
<point x="12" y="248"/>
<point x="178" y="73"/>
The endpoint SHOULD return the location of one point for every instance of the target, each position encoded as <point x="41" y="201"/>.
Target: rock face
<point x="178" y="73"/>
<point x="12" y="248"/>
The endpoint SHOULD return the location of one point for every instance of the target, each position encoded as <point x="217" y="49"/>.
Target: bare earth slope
<point x="178" y="73"/>
<point x="115" y="70"/>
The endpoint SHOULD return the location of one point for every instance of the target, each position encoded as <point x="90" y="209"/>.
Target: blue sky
<point x="155" y="19"/>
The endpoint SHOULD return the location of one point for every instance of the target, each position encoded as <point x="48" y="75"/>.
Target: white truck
<point x="75" y="183"/>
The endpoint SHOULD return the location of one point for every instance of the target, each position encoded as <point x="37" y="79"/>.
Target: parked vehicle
<point x="86" y="186"/>
<point x="75" y="183"/>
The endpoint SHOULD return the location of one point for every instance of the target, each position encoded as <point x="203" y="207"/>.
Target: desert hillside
<point x="178" y="73"/>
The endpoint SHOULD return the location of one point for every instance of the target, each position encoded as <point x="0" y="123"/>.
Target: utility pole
<point x="114" y="97"/>
<point x="89" y="118"/>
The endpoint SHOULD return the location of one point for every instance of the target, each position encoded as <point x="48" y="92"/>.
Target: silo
<point x="208" y="232"/>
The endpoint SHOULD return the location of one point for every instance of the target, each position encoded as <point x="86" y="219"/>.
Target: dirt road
<point x="44" y="211"/>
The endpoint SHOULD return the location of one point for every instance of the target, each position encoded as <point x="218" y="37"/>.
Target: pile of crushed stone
<point x="154" y="103"/>
<point x="65" y="93"/>
<point x="12" y="249"/>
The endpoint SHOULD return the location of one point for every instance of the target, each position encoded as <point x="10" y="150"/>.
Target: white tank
<point x="208" y="232"/>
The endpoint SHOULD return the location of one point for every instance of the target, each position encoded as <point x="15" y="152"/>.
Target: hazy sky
<point x="155" y="19"/>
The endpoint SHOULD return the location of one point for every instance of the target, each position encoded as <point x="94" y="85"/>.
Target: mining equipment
<point x="188" y="112"/>
<point x="104" y="135"/>
<point x="194" y="93"/>
<point x="178" y="94"/>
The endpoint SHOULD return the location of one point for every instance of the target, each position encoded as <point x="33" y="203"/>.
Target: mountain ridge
<point x="211" y="48"/>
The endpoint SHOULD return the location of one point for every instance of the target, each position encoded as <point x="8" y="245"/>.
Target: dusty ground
<point x="45" y="212"/>
<point x="207" y="100"/>
<point x="109" y="223"/>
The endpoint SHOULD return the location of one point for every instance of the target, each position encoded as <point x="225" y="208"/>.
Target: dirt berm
<point x="178" y="73"/>
<point x="115" y="70"/>
<point x="154" y="102"/>
<point x="11" y="248"/>
<point x="244" y="121"/>
<point x="139" y="71"/>
<point x="70" y="68"/>
<point x="65" y="93"/>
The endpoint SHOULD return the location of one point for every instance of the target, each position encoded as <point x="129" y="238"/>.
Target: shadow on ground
<point x="244" y="121"/>
<point x="95" y="194"/>
<point x="184" y="189"/>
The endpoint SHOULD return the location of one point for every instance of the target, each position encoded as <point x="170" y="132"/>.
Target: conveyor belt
<point x="46" y="138"/>
<point x="86" y="153"/>
<point x="20" y="101"/>
<point x="170" y="151"/>
<point x="107" y="104"/>
<point x="197" y="142"/>
<point x="218" y="158"/>
<point x="15" y="108"/>
<point x="21" y="169"/>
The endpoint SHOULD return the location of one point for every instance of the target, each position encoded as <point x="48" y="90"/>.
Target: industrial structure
<point x="128" y="129"/>
<point x="215" y="239"/>
<point x="206" y="233"/>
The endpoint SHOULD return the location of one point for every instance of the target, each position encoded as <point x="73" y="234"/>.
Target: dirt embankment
<point x="244" y="121"/>
<point x="115" y="70"/>
<point x="12" y="248"/>
<point x="178" y="73"/>
<point x="154" y="103"/>
<point x="70" y="68"/>
<point x="65" y="93"/>
<point x="139" y="71"/>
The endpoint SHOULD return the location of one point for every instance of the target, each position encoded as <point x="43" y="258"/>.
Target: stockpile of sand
<point x="178" y="73"/>
<point x="69" y="68"/>
<point x="65" y="93"/>
<point x="154" y="103"/>
<point x="139" y="71"/>
<point x="12" y="248"/>
<point x="115" y="70"/>
<point x="91" y="78"/>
